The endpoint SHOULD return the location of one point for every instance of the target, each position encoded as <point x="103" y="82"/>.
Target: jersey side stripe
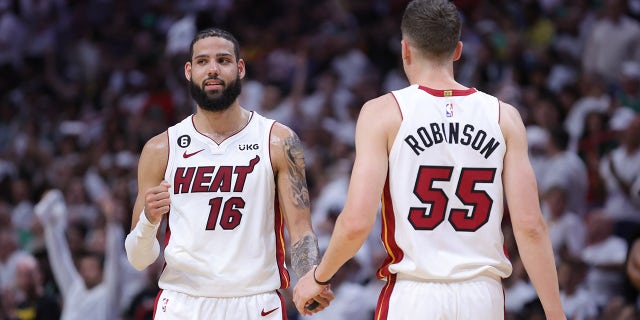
<point x="395" y="254"/>
<point x="382" y="308"/>
<point x="282" y="305"/>
<point x="280" y="245"/>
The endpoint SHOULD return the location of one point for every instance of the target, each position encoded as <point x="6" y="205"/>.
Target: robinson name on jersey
<point x="450" y="132"/>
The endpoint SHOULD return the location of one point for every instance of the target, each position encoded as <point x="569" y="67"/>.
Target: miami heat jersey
<point x="225" y="233"/>
<point x="443" y="202"/>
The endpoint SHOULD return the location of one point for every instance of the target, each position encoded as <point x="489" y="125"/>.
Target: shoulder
<point x="378" y="123"/>
<point x="383" y="103"/>
<point x="154" y="159"/>
<point x="381" y="111"/>
<point x="280" y="131"/>
<point x="284" y="144"/>
<point x="510" y="121"/>
<point x="509" y="112"/>
<point x="157" y="145"/>
<point x="379" y="117"/>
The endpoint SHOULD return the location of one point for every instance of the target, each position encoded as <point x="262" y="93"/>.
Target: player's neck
<point x="435" y="77"/>
<point x="219" y="125"/>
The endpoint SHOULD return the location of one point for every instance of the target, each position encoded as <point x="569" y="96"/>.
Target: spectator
<point x="614" y="38"/>
<point x="93" y="287"/>
<point x="565" y="169"/>
<point x="12" y="31"/>
<point x="538" y="139"/>
<point x="10" y="255"/>
<point x="566" y="229"/>
<point x="620" y="170"/>
<point x="577" y="301"/>
<point x="33" y="303"/>
<point x="629" y="93"/>
<point x="517" y="288"/>
<point x="605" y="254"/>
<point x="64" y="67"/>
<point x="596" y="141"/>
<point x="593" y="98"/>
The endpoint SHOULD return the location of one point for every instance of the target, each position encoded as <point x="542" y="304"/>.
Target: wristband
<point x="322" y="283"/>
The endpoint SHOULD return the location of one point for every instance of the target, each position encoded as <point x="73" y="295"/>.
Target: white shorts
<point x="171" y="305"/>
<point x="479" y="298"/>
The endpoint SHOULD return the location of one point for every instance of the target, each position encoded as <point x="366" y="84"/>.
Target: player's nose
<point x="214" y="69"/>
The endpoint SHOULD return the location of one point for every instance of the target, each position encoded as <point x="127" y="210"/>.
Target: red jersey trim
<point x="394" y="253"/>
<point x="225" y="139"/>
<point x="269" y="146"/>
<point x="283" y="305"/>
<point x="166" y="167"/>
<point x="285" y="280"/>
<point x="382" y="308"/>
<point x="448" y="93"/>
<point x="167" y="233"/>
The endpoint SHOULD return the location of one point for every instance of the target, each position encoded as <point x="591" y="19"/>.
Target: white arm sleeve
<point x="141" y="243"/>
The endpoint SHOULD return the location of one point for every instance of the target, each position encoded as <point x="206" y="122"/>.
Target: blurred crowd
<point x="85" y="83"/>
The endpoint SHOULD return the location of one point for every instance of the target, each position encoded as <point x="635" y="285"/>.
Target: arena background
<point x="85" y="83"/>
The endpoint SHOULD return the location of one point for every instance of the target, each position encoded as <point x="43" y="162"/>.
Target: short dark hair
<point x="215" y="32"/>
<point x="432" y="26"/>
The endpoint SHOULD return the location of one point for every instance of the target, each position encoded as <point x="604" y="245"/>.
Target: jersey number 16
<point x="231" y="215"/>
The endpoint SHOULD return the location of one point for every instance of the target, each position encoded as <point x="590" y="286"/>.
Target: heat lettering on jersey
<point x="208" y="179"/>
<point x="436" y="133"/>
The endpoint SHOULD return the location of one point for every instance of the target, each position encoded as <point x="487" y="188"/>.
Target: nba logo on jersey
<point x="449" y="110"/>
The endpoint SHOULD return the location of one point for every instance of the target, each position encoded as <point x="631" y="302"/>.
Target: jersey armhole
<point x="268" y="143"/>
<point x="499" y="108"/>
<point x="397" y="105"/>
<point x="169" y="166"/>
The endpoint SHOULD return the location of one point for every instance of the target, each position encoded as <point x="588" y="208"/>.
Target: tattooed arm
<point x="304" y="254"/>
<point x="288" y="162"/>
<point x="287" y="158"/>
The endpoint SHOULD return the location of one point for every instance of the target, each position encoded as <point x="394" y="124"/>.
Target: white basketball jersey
<point x="443" y="202"/>
<point x="225" y="233"/>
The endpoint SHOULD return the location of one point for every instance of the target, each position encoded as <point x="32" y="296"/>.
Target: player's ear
<point x="457" y="53"/>
<point x="241" y="69"/>
<point x="187" y="70"/>
<point x="406" y="51"/>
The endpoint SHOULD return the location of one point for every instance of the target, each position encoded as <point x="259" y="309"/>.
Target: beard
<point x="209" y="102"/>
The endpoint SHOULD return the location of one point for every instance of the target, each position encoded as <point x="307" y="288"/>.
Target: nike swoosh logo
<point x="187" y="155"/>
<point x="264" y="314"/>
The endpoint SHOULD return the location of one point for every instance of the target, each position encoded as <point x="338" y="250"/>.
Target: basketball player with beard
<point x="227" y="181"/>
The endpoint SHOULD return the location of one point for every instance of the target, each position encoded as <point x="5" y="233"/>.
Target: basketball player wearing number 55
<point x="440" y="155"/>
<point x="227" y="181"/>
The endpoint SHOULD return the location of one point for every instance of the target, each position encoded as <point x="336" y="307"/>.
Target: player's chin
<point x="214" y="93"/>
